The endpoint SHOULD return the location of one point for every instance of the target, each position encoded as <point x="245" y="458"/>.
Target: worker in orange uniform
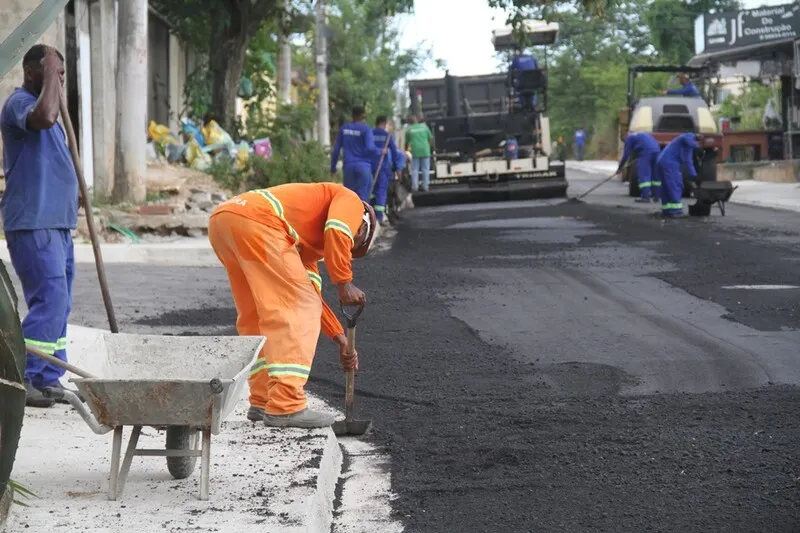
<point x="270" y="241"/>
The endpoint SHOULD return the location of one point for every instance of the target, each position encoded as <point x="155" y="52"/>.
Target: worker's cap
<point x="369" y="221"/>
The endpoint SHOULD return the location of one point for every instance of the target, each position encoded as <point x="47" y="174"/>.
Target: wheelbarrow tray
<point x="155" y="380"/>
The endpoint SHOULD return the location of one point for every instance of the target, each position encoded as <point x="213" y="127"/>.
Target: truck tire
<point x="181" y="438"/>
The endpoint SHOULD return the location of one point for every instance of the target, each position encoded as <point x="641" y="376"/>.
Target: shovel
<point x="350" y="426"/>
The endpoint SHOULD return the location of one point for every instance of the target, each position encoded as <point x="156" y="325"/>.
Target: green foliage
<point x="293" y="161"/>
<point x="748" y="107"/>
<point x="365" y="59"/>
<point x="22" y="491"/>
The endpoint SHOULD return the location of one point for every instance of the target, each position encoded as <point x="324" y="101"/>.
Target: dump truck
<point x="488" y="146"/>
<point x="667" y="117"/>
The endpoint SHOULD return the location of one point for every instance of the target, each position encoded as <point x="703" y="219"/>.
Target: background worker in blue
<point x="677" y="154"/>
<point x="644" y="149"/>
<point x="687" y="88"/>
<point x="39" y="209"/>
<point x="358" y="143"/>
<point x="522" y="62"/>
<point x="385" y="174"/>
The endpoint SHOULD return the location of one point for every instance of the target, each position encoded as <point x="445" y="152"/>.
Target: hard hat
<point x="371" y="222"/>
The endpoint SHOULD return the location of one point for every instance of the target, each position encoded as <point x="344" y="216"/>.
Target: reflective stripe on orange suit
<point x="270" y="242"/>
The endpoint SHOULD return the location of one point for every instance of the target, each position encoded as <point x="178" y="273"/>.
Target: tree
<point x="224" y="29"/>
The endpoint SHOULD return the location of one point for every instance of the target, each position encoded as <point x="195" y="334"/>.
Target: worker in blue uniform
<point x="40" y="210"/>
<point x="644" y="149"/>
<point x="384" y="174"/>
<point x="687" y="88"/>
<point x="677" y="154"/>
<point x="357" y="142"/>
<point x="522" y="62"/>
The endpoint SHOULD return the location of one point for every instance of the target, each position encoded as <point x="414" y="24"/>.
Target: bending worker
<point x="687" y="88"/>
<point x="388" y="158"/>
<point x="358" y="143"/>
<point x="40" y="210"/>
<point x="677" y="153"/>
<point x="269" y="242"/>
<point x="644" y="149"/>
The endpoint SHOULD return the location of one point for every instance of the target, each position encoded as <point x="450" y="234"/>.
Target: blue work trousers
<point x="580" y="152"/>
<point x="649" y="183"/>
<point x="44" y="261"/>
<point x="671" y="179"/>
<point x="358" y="178"/>
<point x="381" y="192"/>
<point x="423" y="164"/>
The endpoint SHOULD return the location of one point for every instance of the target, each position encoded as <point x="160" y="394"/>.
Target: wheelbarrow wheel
<point x="181" y="438"/>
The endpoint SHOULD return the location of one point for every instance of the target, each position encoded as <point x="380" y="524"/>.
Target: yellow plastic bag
<point x="196" y="157"/>
<point x="161" y="134"/>
<point x="242" y="155"/>
<point x="214" y="134"/>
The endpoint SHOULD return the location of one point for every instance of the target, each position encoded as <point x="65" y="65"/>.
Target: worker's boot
<point x="255" y="414"/>
<point x="35" y="398"/>
<point x="301" y="419"/>
<point x="642" y="200"/>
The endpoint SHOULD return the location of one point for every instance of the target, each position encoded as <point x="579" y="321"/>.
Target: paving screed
<point x="556" y="367"/>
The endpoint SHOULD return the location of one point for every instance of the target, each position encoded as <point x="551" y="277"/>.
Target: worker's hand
<point x="348" y="359"/>
<point x="349" y="294"/>
<point x="664" y="91"/>
<point x="52" y="64"/>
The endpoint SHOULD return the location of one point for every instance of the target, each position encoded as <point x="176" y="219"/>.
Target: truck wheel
<point x="181" y="438"/>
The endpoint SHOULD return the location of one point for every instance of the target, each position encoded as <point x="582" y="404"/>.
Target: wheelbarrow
<point x="708" y="194"/>
<point x="185" y="385"/>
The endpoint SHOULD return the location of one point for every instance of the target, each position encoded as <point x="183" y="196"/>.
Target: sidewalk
<point x="181" y="252"/>
<point x="784" y="196"/>
<point x="262" y="479"/>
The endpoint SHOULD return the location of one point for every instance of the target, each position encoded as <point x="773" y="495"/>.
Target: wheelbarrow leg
<point x="205" y="463"/>
<point x="130" y="451"/>
<point x="116" y="449"/>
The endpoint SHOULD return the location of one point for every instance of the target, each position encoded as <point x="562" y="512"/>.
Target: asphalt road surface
<point x="550" y="366"/>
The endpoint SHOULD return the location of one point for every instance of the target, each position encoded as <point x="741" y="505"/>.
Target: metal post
<point x="116" y="449"/>
<point x="205" y="463"/>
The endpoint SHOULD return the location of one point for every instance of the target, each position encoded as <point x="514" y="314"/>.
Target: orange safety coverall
<point x="270" y="241"/>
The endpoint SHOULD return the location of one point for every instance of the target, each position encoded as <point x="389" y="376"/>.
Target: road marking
<point x="762" y="287"/>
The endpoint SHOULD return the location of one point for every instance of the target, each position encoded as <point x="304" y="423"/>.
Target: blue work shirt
<point x="391" y="157"/>
<point x="687" y="90"/>
<point x="524" y="62"/>
<point x="580" y="137"/>
<point x="638" y="144"/>
<point x="358" y="143"/>
<point x="41" y="184"/>
<point x="679" y="151"/>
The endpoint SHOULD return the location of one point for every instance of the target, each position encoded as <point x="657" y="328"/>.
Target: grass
<point x="21" y="491"/>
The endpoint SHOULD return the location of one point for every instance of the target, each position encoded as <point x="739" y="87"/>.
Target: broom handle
<point x="98" y="254"/>
<point x="383" y="154"/>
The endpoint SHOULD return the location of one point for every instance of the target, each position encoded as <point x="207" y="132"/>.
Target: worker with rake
<point x="384" y="167"/>
<point x="644" y="149"/>
<point x="270" y="242"/>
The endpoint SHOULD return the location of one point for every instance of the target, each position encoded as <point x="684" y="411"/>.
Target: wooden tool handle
<point x="98" y="254"/>
<point x="58" y="362"/>
<point x="350" y="383"/>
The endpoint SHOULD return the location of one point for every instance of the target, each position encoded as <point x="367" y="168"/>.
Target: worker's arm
<point x="369" y="143"/>
<point x="337" y="147"/>
<point x="341" y="227"/>
<point x="45" y="113"/>
<point x="626" y="153"/>
<point x="686" y="90"/>
<point x="688" y="159"/>
<point x="330" y="323"/>
<point x="429" y="133"/>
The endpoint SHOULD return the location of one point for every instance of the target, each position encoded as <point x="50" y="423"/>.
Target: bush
<point x="293" y="161"/>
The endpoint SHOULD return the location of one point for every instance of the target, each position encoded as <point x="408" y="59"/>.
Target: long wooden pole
<point x="98" y="254"/>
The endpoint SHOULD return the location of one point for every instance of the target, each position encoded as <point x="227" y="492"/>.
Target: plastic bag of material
<point x="196" y="157"/>
<point x="242" y="155"/>
<point x="191" y="130"/>
<point x="262" y="148"/>
<point x="214" y="134"/>
<point x="161" y="134"/>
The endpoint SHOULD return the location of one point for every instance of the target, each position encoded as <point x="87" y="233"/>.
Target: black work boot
<point x="255" y="414"/>
<point x="35" y="398"/>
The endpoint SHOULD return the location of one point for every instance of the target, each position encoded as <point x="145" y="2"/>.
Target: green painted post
<point x="14" y="46"/>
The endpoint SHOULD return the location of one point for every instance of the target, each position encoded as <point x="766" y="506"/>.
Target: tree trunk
<point x="226" y="64"/>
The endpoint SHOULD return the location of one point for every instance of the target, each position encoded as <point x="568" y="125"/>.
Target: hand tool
<point x="351" y="426"/>
<point x="58" y="362"/>
<point x="377" y="172"/>
<point x="577" y="199"/>
<point x="98" y="254"/>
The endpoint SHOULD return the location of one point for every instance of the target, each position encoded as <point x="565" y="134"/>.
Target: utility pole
<point x="323" y="115"/>
<point x="102" y="23"/>
<point x="130" y="180"/>
<point x="284" y="57"/>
